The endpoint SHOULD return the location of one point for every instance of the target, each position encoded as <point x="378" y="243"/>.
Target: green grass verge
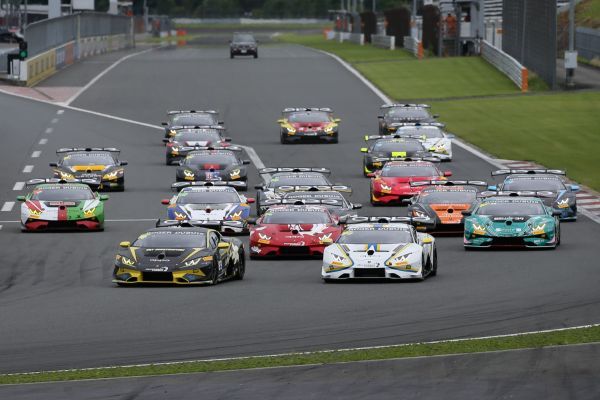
<point x="555" y="130"/>
<point x="588" y="14"/>
<point x="537" y="340"/>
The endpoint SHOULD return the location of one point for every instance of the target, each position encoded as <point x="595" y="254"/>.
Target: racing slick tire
<point x="282" y="138"/>
<point x="230" y="55"/>
<point x="256" y="55"/>
<point x="240" y="271"/>
<point x="373" y="203"/>
<point x="434" y="264"/>
<point x="334" y="139"/>
<point x="214" y="274"/>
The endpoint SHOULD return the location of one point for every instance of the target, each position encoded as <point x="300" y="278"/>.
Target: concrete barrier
<point x="387" y="42"/>
<point x="506" y="64"/>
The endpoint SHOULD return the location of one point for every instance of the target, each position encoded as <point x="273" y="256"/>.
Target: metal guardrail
<point x="358" y="38"/>
<point x="506" y="64"/>
<point x="387" y="42"/>
<point x="414" y="46"/>
<point x="587" y="42"/>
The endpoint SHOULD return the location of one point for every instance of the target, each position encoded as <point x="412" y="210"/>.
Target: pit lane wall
<point x="505" y="64"/>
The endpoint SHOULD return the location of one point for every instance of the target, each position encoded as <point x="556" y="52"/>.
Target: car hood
<point x="163" y="259"/>
<point x="61" y="210"/>
<point x="294" y="233"/>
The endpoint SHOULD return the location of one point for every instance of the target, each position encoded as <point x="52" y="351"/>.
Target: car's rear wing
<point x="411" y="105"/>
<point x="300" y="202"/>
<point x="355" y="219"/>
<point x="324" y="171"/>
<point x="192" y="112"/>
<point x="92" y="183"/>
<point x="241" y="185"/>
<point x="520" y="193"/>
<point x="231" y="148"/>
<point x="191" y="223"/>
<point x="180" y="127"/>
<point x="63" y="150"/>
<point x="314" y="188"/>
<point x="448" y="183"/>
<point x="389" y="159"/>
<point x="300" y="109"/>
<point x="528" y="171"/>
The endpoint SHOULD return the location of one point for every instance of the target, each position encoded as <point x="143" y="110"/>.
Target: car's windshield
<point x="63" y="193"/>
<point x="543" y="184"/>
<point x="171" y="239"/>
<point x="194" y="119"/>
<point x="197" y="136"/>
<point x="405" y="171"/>
<point x="298" y="180"/>
<point x="429" y="133"/>
<point x="212" y="197"/>
<point x="378" y="236"/>
<point x="207" y="161"/>
<point x="243" y="38"/>
<point x="408" y="112"/>
<point x="88" y="159"/>
<point x="447" y="197"/>
<point x="405" y="146"/>
<point x="511" y="208"/>
<point x="309" y="116"/>
<point x="296" y="217"/>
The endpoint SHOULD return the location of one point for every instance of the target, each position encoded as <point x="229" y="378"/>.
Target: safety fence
<point x="506" y="64"/>
<point x="387" y="42"/>
<point x="587" y="42"/>
<point x="414" y="45"/>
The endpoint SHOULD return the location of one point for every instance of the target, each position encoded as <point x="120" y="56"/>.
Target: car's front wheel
<point x="434" y="263"/>
<point x="241" y="269"/>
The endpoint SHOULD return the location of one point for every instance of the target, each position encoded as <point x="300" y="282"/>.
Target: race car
<point x="95" y="163"/>
<point x="392" y="184"/>
<point x="334" y="201"/>
<point x="213" y="164"/>
<point x="312" y="123"/>
<point x="563" y="196"/>
<point x="62" y="204"/>
<point x="181" y="253"/>
<point x="190" y="138"/>
<point x="380" y="248"/>
<point x="511" y="219"/>
<point x="443" y="202"/>
<point x="382" y="149"/>
<point x="213" y="203"/>
<point x="279" y="181"/>
<point x="290" y="230"/>
<point x="190" y="118"/>
<point x="395" y="115"/>
<point x="431" y="135"/>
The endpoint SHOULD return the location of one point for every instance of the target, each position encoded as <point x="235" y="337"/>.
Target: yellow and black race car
<point x="303" y="124"/>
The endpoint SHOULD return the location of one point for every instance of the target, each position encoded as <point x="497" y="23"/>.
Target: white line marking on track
<point x="585" y="201"/>
<point x="7" y="206"/>
<point x="59" y="112"/>
<point x="27" y="169"/>
<point x="19" y="186"/>
<point x="49" y="130"/>
<point x="43" y="141"/>
<point x="101" y="74"/>
<point x="54" y="120"/>
<point x="36" y="154"/>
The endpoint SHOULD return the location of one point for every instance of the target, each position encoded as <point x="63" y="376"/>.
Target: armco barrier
<point x="414" y="46"/>
<point x="387" y="42"/>
<point x="506" y="64"/>
<point x="587" y="42"/>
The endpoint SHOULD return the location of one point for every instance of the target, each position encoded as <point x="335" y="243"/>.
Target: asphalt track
<point x="59" y="308"/>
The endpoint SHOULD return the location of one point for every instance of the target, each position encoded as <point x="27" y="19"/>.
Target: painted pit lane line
<point x="49" y="130"/>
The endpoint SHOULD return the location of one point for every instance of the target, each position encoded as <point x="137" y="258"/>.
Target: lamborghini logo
<point x="89" y="213"/>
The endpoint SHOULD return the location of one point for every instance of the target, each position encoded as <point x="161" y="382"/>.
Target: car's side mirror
<point x="165" y="140"/>
<point x="259" y="187"/>
<point x="447" y="173"/>
<point x="575" y="188"/>
<point x="20" y="198"/>
<point x="53" y="164"/>
<point x="125" y="245"/>
<point x="223" y="245"/>
<point x="124" y="163"/>
<point x="164" y="124"/>
<point x="337" y="120"/>
<point x="371" y="175"/>
<point x="356" y="206"/>
<point x="363" y="149"/>
<point x="246" y="162"/>
<point x="165" y="201"/>
<point x="280" y="121"/>
<point x="493" y="188"/>
<point x="227" y="139"/>
<point x="104" y="197"/>
<point x="556" y="213"/>
<point x="466" y="213"/>
<point x="427" y="240"/>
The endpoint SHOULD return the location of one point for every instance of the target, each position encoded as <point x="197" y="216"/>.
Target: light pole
<point x="571" y="54"/>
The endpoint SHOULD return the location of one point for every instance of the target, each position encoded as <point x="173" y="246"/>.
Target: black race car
<point x="190" y="138"/>
<point x="333" y="200"/>
<point x="213" y="164"/>
<point x="384" y="149"/>
<point x="394" y="115"/>
<point x="303" y="124"/>
<point x="190" y="118"/>
<point x="243" y="44"/>
<point x="96" y="163"/>
<point x="182" y="253"/>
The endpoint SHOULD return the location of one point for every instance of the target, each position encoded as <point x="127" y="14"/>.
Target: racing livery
<point x="190" y="138"/>
<point x="392" y="184"/>
<point x="292" y="230"/>
<point x="308" y="123"/>
<point x="213" y="164"/>
<point x="396" y="115"/>
<point x="181" y="253"/>
<point x="210" y="204"/>
<point x="431" y="135"/>
<point x="190" y="118"/>
<point x="334" y="201"/>
<point x="382" y="149"/>
<point x="560" y="196"/>
<point x="95" y="163"/>
<point x="511" y="219"/>
<point x="62" y="204"/>
<point x="444" y="201"/>
<point x="380" y="248"/>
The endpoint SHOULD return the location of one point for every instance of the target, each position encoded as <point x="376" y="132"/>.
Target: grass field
<point x="535" y="340"/>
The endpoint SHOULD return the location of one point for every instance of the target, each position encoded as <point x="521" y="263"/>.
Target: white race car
<point x="431" y="135"/>
<point x="381" y="247"/>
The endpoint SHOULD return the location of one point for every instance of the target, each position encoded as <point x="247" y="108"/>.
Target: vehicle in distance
<point x="212" y="165"/>
<point x="395" y="115"/>
<point x="380" y="248"/>
<point x="511" y="219"/>
<point x="243" y="44"/>
<point x="291" y="230"/>
<point x="431" y="135"/>
<point x="190" y="138"/>
<point x="303" y="124"/>
<point x="190" y="118"/>
<point x="62" y="204"/>
<point x="334" y="201"/>
<point x="382" y="149"/>
<point x="181" y="253"/>
<point x="94" y="163"/>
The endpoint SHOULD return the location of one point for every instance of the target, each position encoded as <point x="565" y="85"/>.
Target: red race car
<point x="391" y="184"/>
<point x="293" y="231"/>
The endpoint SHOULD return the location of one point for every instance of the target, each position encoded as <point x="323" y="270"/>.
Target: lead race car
<point x="308" y="123"/>
<point x="214" y="164"/>
<point x="190" y="118"/>
<point x="181" y="253"/>
<point x="382" y="248"/>
<point x="95" y="163"/>
<point x="293" y="230"/>
<point x="559" y="195"/>
<point x="210" y="203"/>
<point x="431" y="135"/>
<point x="518" y="219"/>
<point x="395" y="115"/>
<point x="62" y="204"/>
<point x="190" y="138"/>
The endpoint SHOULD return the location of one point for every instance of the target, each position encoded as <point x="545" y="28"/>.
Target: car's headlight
<point x="399" y="260"/>
<point x="478" y="229"/>
<point x="189" y="174"/>
<point x="420" y="214"/>
<point x="235" y="174"/>
<point x="174" y="150"/>
<point x="112" y="175"/>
